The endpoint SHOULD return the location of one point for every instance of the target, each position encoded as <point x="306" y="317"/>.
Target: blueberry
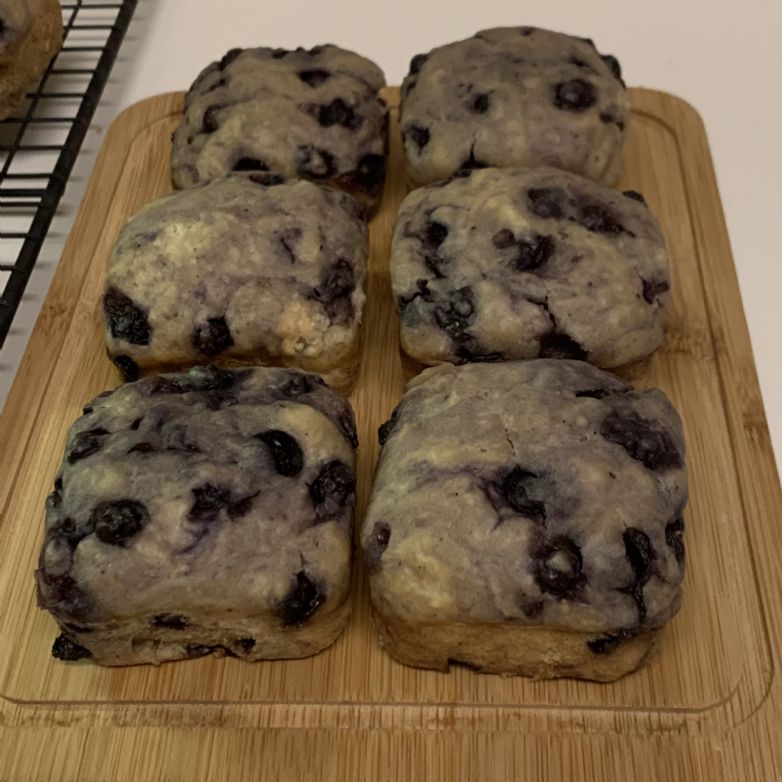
<point x="125" y="318"/>
<point x="574" y="95"/>
<point x="279" y="54"/>
<point x="347" y="425"/>
<point x="229" y="57"/>
<point x="56" y="496"/>
<point x="63" y="590"/>
<point x="249" y="164"/>
<point x="417" y="62"/>
<point x="286" y="452"/>
<point x="433" y="262"/>
<point x="333" y="489"/>
<point x="480" y="104"/>
<point x="246" y="644"/>
<point x="240" y="508"/>
<point x="531" y="610"/>
<point x="301" y="602"/>
<point x="515" y="488"/>
<point x="209" y="124"/>
<point x="454" y="319"/>
<point x="503" y="238"/>
<point x="127" y="366"/>
<point x="86" y="443"/>
<point x="170" y="621"/>
<point x="613" y="65"/>
<point x="635" y="195"/>
<point x="209" y="500"/>
<point x="200" y="650"/>
<point x="417" y="135"/>
<point x="313" y="162"/>
<point x="547" y="202"/>
<point x="315" y="76"/>
<point x="641" y="554"/>
<point x="118" y="522"/>
<point x="71" y="531"/>
<point x="558" y="568"/>
<point x="594" y="393"/>
<point x="335" y="290"/>
<point x="653" y="289"/>
<point x="64" y="648"/>
<point x="435" y="234"/>
<point x="471" y="350"/>
<point x="376" y="545"/>
<point x="533" y="252"/>
<point x="339" y="113"/>
<point x="463" y="664"/>
<point x="596" y="218"/>
<point x="142" y="448"/>
<point x="556" y="344"/>
<point x="266" y="179"/>
<point x="384" y="432"/>
<point x="607" y="643"/>
<point x="370" y="174"/>
<point x="606" y="118"/>
<point x="299" y="384"/>
<point x="527" y="31"/>
<point x="644" y="440"/>
<point x="212" y="337"/>
<point x="674" y="537"/>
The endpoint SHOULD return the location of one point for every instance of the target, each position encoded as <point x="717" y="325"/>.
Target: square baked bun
<point x="248" y="269"/>
<point x="308" y="113"/>
<point x="526" y="518"/>
<point x="509" y="263"/>
<point x="514" y="96"/>
<point x="204" y="512"/>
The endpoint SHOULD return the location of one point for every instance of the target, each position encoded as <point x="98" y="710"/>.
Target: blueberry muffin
<point x="249" y="268"/>
<point x="313" y="114"/>
<point x="30" y="35"/>
<point x="520" y="263"/>
<point x="203" y="512"/>
<point x="526" y="519"/>
<point x="514" y="96"/>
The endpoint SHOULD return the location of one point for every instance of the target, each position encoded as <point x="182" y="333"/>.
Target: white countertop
<point x="724" y="57"/>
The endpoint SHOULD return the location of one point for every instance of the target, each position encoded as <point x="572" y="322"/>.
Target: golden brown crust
<point x="513" y="649"/>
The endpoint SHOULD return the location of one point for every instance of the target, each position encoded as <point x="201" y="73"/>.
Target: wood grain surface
<point x="708" y="707"/>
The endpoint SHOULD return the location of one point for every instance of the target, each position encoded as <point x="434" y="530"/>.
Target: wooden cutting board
<point x="708" y="707"/>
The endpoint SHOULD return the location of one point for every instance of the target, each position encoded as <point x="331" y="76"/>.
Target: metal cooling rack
<point x="39" y="145"/>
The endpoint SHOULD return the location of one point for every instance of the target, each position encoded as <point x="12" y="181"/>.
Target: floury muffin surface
<point x="313" y="114"/>
<point x="250" y="268"/>
<point x="511" y="263"/>
<point x="526" y="518"/>
<point x="202" y="512"/>
<point x="514" y="96"/>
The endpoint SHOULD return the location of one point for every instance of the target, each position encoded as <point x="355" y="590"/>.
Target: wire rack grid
<point x="40" y="143"/>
